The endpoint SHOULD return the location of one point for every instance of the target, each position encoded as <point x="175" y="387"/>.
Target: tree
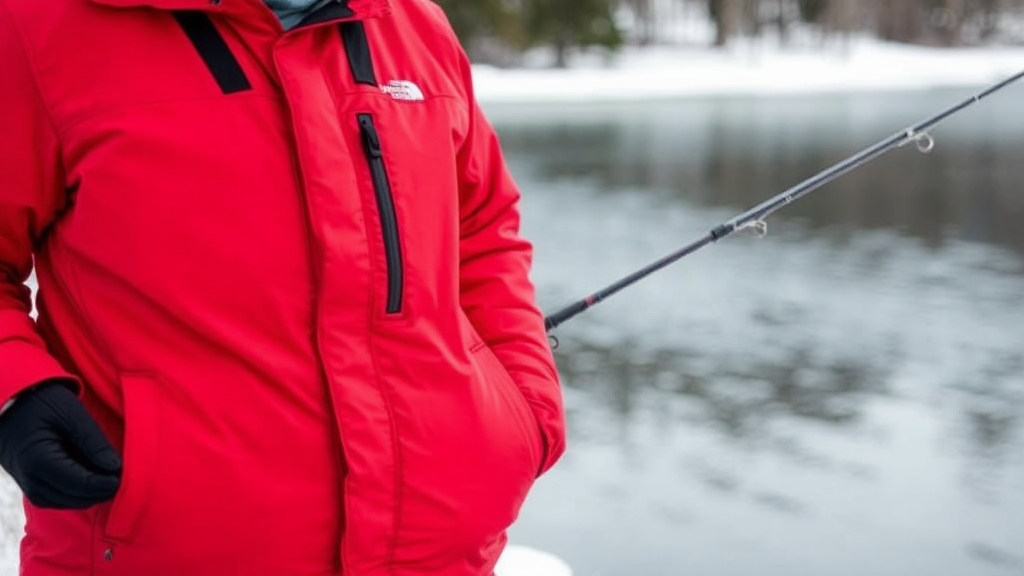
<point x="813" y="10"/>
<point x="900" y="21"/>
<point x="644" y="17"/>
<point x="568" y="24"/>
<point x="988" y="16"/>
<point x="728" y="18"/>
<point x="781" y="19"/>
<point x="497" y="31"/>
<point x="484" y="26"/>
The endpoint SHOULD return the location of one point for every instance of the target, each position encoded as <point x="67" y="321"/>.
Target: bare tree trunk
<point x="751" y="17"/>
<point x="782" y="20"/>
<point x="988" y="12"/>
<point x="900" y="20"/>
<point x="950" y="19"/>
<point x="561" y="46"/>
<point x="645" y="21"/>
<point x="841" y="19"/>
<point x="728" y="15"/>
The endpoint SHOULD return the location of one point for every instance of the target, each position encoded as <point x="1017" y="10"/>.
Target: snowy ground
<point x="748" y="68"/>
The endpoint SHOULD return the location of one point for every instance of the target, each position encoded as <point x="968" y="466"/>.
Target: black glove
<point x="55" y="450"/>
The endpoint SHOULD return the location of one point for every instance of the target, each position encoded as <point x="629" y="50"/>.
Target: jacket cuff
<point x="549" y="414"/>
<point x="23" y="365"/>
<point x="552" y="439"/>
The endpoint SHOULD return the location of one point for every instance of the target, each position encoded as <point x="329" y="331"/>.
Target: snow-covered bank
<point x="524" y="561"/>
<point x="662" y="73"/>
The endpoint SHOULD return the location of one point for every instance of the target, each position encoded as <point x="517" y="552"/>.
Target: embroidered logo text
<point x="403" y="90"/>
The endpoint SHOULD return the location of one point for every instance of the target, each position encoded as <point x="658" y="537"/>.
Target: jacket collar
<point x="359" y="9"/>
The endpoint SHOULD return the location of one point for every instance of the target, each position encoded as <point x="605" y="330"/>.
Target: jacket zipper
<point x="385" y="209"/>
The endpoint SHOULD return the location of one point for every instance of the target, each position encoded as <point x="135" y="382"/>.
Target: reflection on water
<point x="735" y="152"/>
<point x="843" y="397"/>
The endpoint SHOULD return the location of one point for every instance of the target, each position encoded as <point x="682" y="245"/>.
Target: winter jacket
<point x="285" y="268"/>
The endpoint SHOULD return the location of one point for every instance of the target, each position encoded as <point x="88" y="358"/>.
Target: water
<point x="845" y="396"/>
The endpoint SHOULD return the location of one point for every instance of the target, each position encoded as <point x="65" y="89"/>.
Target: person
<point x="285" y="323"/>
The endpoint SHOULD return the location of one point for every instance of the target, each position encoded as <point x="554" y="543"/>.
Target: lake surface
<point x="843" y="397"/>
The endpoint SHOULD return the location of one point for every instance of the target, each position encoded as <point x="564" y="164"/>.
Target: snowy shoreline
<point x="748" y="68"/>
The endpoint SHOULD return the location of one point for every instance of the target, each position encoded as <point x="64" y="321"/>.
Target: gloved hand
<point x="55" y="450"/>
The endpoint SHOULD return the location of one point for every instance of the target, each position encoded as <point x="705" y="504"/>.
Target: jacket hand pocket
<point x="521" y="412"/>
<point x="141" y="450"/>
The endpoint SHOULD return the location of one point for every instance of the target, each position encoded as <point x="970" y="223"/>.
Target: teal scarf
<point x="291" y="12"/>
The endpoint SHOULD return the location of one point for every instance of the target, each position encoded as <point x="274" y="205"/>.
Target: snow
<point x="747" y="68"/>
<point x="523" y="561"/>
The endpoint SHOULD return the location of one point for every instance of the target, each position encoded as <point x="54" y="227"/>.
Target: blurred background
<point x="499" y="31"/>
<point x="843" y="397"/>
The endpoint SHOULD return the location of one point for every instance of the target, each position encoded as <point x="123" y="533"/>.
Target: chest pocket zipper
<point x="385" y="209"/>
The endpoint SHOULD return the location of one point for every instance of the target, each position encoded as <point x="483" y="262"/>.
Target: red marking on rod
<point x="591" y="300"/>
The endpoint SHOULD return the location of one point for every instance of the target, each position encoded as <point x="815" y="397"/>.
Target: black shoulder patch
<point x="213" y="50"/>
<point x="353" y="35"/>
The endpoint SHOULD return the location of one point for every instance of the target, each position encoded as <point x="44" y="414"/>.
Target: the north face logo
<point x="403" y="90"/>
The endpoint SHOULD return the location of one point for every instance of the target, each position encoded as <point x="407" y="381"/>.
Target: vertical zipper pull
<point x="370" y="138"/>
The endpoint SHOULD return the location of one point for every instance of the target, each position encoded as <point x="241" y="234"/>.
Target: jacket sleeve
<point x="30" y="196"/>
<point x="496" y="292"/>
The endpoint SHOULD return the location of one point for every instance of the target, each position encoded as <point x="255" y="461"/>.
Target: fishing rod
<point x="754" y="219"/>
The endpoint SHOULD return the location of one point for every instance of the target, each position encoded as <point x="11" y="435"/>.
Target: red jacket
<point x="286" y="269"/>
